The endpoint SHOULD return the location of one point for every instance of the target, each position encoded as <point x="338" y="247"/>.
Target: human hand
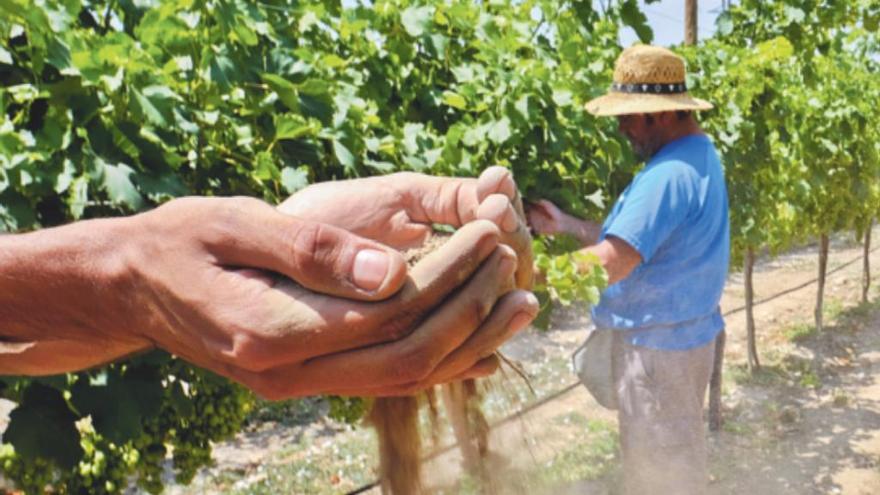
<point x="400" y="209"/>
<point x="191" y="277"/>
<point x="545" y="218"/>
<point x="283" y="339"/>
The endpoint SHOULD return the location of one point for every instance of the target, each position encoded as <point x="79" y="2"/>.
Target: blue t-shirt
<point x="674" y="213"/>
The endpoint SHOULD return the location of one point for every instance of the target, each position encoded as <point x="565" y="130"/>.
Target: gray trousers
<point x="662" y="439"/>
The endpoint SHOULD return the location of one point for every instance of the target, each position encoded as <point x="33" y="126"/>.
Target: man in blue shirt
<point x="665" y="246"/>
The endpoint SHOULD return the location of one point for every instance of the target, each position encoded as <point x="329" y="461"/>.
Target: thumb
<point x="496" y="180"/>
<point x="319" y="256"/>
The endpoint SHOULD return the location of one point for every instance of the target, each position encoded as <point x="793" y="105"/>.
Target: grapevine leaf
<point x="149" y="109"/>
<point x="5" y="56"/>
<point x="119" y="406"/>
<point x="454" y="100"/>
<point x="294" y="179"/>
<point x="317" y="106"/>
<point x="16" y="213"/>
<point x="293" y="126"/>
<point x="343" y="154"/>
<point x="161" y="187"/>
<point x="59" y="56"/>
<point x="285" y="89"/>
<point x="119" y="187"/>
<point x="499" y="132"/>
<point x="724" y="23"/>
<point x="42" y="426"/>
<point x="222" y="70"/>
<point x="265" y="168"/>
<point x="633" y="17"/>
<point x="416" y="20"/>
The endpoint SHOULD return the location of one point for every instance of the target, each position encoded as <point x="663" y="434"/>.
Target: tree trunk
<point x="823" y="268"/>
<point x="715" y="383"/>
<point x="866" y="263"/>
<point x="754" y="363"/>
<point x="690" y="22"/>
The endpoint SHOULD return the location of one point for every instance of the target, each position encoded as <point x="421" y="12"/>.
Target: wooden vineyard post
<point x="690" y="22"/>
<point x="866" y="262"/>
<point x="754" y="362"/>
<point x="823" y="269"/>
<point x="715" y="418"/>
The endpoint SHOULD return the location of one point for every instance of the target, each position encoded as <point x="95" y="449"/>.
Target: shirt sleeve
<point x="659" y="202"/>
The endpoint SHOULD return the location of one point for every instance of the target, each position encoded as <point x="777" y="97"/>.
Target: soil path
<point x="795" y="438"/>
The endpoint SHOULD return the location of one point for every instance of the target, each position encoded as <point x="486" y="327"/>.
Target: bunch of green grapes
<point x="199" y="408"/>
<point x="222" y="408"/>
<point x="195" y="409"/>
<point x="29" y="477"/>
<point x="104" y="468"/>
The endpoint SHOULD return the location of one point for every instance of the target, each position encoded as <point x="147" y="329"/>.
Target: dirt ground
<point x="809" y="423"/>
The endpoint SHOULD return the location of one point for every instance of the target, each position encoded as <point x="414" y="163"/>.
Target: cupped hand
<point x="400" y="209"/>
<point x="201" y="289"/>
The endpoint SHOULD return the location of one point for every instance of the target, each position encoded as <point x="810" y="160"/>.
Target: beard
<point x="641" y="150"/>
<point x="644" y="149"/>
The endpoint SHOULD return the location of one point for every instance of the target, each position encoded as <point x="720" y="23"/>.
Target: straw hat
<point x="647" y="79"/>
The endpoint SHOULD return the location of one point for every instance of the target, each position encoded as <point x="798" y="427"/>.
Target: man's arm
<point x="59" y="287"/>
<point x="617" y="257"/>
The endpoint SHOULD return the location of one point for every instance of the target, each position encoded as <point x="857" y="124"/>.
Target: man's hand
<point x="545" y="218"/>
<point x="212" y="280"/>
<point x="400" y="209"/>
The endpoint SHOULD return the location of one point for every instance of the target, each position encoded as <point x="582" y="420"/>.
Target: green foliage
<point x="42" y="427"/>
<point x="109" y="108"/>
<point x="799" y="333"/>
<point x="93" y="431"/>
<point x="566" y="275"/>
<point x="348" y="410"/>
<point x="793" y="83"/>
<point x="592" y="454"/>
<point x="749" y="124"/>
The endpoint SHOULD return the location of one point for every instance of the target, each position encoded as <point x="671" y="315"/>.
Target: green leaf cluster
<point x="566" y="275"/>
<point x="794" y="83"/>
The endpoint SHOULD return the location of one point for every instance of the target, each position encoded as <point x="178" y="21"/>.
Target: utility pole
<point x="690" y="22"/>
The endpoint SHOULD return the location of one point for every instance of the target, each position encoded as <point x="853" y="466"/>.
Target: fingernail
<point x="370" y="269"/>
<point x="510" y="222"/>
<point x="508" y="263"/>
<point x="520" y="321"/>
<point x="487" y="245"/>
<point x="532" y="300"/>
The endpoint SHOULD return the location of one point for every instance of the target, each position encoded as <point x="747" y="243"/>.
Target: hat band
<point x="650" y="88"/>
